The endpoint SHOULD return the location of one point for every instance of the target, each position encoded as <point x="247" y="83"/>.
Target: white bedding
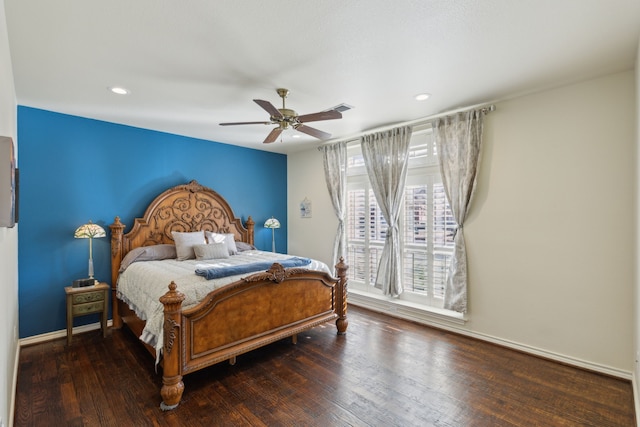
<point x="143" y="283"/>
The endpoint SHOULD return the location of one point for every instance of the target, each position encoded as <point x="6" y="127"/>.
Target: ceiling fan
<point x="285" y="118"/>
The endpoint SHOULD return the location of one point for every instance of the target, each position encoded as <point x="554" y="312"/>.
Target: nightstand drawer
<point x="91" y="307"/>
<point x="88" y="297"/>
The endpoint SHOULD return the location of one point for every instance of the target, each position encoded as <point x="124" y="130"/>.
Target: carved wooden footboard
<point x="258" y="310"/>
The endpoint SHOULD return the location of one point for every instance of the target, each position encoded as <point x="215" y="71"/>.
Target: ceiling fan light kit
<point x="285" y="118"/>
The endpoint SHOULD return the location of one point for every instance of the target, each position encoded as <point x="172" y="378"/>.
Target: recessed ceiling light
<point x="295" y="135"/>
<point x="119" y="90"/>
<point x="422" y="96"/>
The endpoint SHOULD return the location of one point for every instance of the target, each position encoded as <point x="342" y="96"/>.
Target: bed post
<point x="249" y="226"/>
<point x="341" y="297"/>
<point x="172" y="385"/>
<point x="116" y="257"/>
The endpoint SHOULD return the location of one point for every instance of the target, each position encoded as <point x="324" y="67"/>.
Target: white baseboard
<point x="636" y="396"/>
<point x="36" y="339"/>
<point x="453" y="324"/>
<point x="14" y="385"/>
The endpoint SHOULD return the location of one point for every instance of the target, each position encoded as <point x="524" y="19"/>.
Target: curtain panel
<point x="335" y="174"/>
<point x="386" y="157"/>
<point x="459" y="142"/>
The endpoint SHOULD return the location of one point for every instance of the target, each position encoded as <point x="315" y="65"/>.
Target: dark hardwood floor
<point x="384" y="372"/>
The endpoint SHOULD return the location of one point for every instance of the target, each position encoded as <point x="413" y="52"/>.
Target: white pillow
<point x="211" y="251"/>
<point x="214" y="237"/>
<point x="184" y="243"/>
<point x="228" y="238"/>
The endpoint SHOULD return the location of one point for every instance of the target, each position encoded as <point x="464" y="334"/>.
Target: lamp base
<point x="273" y="240"/>
<point x="90" y="262"/>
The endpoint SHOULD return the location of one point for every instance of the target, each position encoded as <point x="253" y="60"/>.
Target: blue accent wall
<point x="74" y="169"/>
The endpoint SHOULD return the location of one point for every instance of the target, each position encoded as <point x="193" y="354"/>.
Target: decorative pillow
<point x="131" y="257"/>
<point x="228" y="238"/>
<point x="147" y="253"/>
<point x="185" y="242"/>
<point x="211" y="251"/>
<point x="242" y="246"/>
<point x="214" y="237"/>
<point x="231" y="244"/>
<point x="158" y="252"/>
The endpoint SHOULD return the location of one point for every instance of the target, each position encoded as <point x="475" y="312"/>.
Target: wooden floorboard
<point x="384" y="372"/>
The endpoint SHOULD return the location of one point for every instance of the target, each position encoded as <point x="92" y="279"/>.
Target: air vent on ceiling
<point x="341" y="108"/>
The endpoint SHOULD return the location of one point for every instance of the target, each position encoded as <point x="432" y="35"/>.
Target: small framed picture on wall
<point x="305" y="208"/>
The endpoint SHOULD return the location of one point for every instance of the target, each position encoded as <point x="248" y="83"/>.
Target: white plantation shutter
<point x="416" y="230"/>
<point x="356" y="234"/>
<point x="377" y="223"/>
<point x="429" y="227"/>
<point x="366" y="231"/>
<point x="444" y="226"/>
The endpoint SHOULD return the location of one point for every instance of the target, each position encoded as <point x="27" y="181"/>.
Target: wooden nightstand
<point x="87" y="300"/>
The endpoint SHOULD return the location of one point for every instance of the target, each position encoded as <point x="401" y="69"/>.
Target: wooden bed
<point x="282" y="302"/>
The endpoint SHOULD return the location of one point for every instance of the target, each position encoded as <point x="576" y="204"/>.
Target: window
<point x="427" y="225"/>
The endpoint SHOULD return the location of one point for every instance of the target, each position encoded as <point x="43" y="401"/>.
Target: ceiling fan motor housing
<point x="289" y="117"/>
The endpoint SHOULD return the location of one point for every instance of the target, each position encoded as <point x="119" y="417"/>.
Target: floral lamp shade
<point x="90" y="231"/>
<point x="272" y="223"/>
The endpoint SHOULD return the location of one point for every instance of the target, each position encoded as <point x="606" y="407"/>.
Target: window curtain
<point x="458" y="141"/>
<point x="386" y="157"/>
<point x="335" y="174"/>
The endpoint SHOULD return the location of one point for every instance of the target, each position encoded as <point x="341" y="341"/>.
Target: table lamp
<point x="90" y="231"/>
<point x="272" y="223"/>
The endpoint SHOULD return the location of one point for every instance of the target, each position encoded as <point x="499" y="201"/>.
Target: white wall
<point x="551" y="242"/>
<point x="8" y="244"/>
<point x="550" y="237"/>
<point x="312" y="237"/>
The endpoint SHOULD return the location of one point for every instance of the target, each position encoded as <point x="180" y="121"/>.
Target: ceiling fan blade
<point x="273" y="135"/>
<point x="323" y="115"/>
<point x="245" y="123"/>
<point x="268" y="107"/>
<point x="312" y="131"/>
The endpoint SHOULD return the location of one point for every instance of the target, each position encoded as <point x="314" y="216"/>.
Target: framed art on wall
<point x="305" y="208"/>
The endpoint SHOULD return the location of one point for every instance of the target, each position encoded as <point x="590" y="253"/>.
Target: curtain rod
<point x="422" y="121"/>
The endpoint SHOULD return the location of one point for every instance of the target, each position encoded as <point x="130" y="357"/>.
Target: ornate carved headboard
<point x="188" y="207"/>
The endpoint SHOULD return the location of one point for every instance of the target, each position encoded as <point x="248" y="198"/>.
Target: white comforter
<point x="143" y="283"/>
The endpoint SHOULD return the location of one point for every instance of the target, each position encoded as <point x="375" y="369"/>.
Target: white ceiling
<point x="193" y="64"/>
